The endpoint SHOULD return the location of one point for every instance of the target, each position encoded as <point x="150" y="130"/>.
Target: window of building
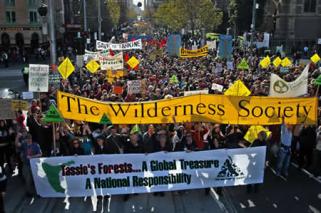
<point x="11" y="17"/>
<point x="309" y="6"/>
<point x="10" y="3"/>
<point x="33" y="18"/>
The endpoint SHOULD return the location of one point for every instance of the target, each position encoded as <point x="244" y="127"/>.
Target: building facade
<point x="294" y="21"/>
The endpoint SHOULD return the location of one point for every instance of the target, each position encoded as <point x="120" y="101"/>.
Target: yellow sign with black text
<point x="250" y="110"/>
<point x="185" y="53"/>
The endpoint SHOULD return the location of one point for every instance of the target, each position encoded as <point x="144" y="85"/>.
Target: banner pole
<point x="317" y="92"/>
<point x="54" y="138"/>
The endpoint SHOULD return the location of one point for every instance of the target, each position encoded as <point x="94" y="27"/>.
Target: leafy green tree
<point x="113" y="8"/>
<point x="177" y="14"/>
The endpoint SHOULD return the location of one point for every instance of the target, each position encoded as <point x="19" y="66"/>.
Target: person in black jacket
<point x="100" y="146"/>
<point x="114" y="142"/>
<point x="149" y="139"/>
<point x="307" y="143"/>
<point x="76" y="148"/>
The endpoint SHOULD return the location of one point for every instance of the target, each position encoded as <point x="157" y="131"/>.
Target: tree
<point x="113" y="8"/>
<point x="177" y="14"/>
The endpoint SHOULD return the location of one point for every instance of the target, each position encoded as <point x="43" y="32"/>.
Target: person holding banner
<point x="260" y="141"/>
<point x="284" y="155"/>
<point x="29" y="149"/>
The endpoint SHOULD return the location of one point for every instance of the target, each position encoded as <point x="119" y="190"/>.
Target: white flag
<point x="282" y="88"/>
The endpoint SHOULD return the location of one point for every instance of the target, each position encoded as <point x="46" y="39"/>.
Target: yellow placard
<point x="66" y="68"/>
<point x="185" y="53"/>
<point x="277" y="61"/>
<point x="237" y="89"/>
<point x="248" y="110"/>
<point x="286" y="62"/>
<point x="92" y="66"/>
<point x="265" y="62"/>
<point x="315" y="58"/>
<point x="253" y="132"/>
<point x="133" y="62"/>
<point x="19" y="105"/>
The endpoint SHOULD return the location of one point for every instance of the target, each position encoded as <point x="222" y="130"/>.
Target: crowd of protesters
<point x="29" y="136"/>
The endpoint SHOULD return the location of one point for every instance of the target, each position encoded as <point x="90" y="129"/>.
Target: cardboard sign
<point x="19" y="105"/>
<point x="6" y="111"/>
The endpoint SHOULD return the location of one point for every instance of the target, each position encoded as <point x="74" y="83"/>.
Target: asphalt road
<point x="11" y="77"/>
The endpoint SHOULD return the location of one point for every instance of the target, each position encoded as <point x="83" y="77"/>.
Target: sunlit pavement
<point x="298" y="193"/>
<point x="191" y="201"/>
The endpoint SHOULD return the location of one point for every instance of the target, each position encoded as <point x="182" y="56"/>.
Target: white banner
<point x="281" y="88"/>
<point x="38" y="77"/>
<point x="79" y="176"/>
<point x="131" y="45"/>
<point x="195" y="92"/>
<point x="115" y="62"/>
<point x="134" y="86"/>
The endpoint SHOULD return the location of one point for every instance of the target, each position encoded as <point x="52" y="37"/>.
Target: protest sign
<point x="6" y="111"/>
<point x="211" y="45"/>
<point x="238" y="89"/>
<point x="115" y="62"/>
<point x="282" y="88"/>
<point x="19" y="105"/>
<point x="66" y="68"/>
<point x="253" y="132"/>
<point x="139" y="173"/>
<point x="38" y="78"/>
<point x="230" y="65"/>
<point x="225" y="47"/>
<point x="80" y="60"/>
<point x="196" y="108"/>
<point x="185" y="53"/>
<point x="131" y="45"/>
<point x="27" y="95"/>
<point x="217" y="87"/>
<point x="173" y="44"/>
<point x="134" y="87"/>
<point x="55" y="79"/>
<point x="195" y="92"/>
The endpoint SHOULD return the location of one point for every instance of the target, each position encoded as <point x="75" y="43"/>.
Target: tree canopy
<point x="178" y="14"/>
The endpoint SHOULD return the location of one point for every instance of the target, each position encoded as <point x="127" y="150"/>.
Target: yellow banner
<point x="249" y="110"/>
<point x="185" y="53"/>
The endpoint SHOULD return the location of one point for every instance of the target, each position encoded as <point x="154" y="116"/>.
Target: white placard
<point x="217" y="87"/>
<point x="195" y="92"/>
<point x="134" y="87"/>
<point x="38" y="77"/>
<point x="27" y="95"/>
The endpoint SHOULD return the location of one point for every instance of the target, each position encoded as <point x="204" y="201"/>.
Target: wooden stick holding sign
<point x="53" y="116"/>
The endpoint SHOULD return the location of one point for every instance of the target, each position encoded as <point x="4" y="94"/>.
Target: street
<point x="11" y="77"/>
<point x="275" y="195"/>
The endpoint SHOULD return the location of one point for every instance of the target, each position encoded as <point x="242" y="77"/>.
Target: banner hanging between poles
<point x="139" y="173"/>
<point x="250" y="110"/>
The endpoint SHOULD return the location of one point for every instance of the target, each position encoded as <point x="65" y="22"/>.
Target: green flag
<point x="104" y="120"/>
<point x="173" y="79"/>
<point x="318" y="81"/>
<point x="243" y="65"/>
<point x="135" y="129"/>
<point x="53" y="115"/>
